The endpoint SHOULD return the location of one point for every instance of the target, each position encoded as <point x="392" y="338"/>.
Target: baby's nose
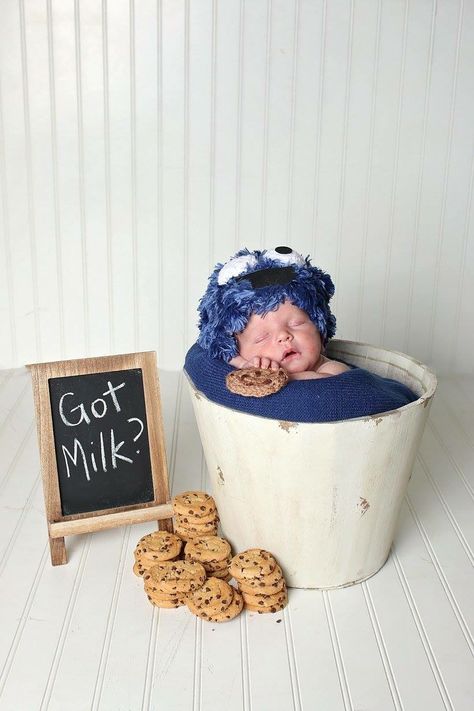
<point x="285" y="336"/>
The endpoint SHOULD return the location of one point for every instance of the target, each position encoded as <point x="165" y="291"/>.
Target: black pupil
<point x="283" y="250"/>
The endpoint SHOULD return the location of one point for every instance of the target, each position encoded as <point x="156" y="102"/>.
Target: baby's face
<point x="286" y="335"/>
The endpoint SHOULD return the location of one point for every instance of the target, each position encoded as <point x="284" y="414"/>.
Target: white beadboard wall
<point x="142" y="141"/>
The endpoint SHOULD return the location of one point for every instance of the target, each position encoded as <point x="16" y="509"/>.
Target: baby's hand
<point x="257" y="362"/>
<point x="263" y="362"/>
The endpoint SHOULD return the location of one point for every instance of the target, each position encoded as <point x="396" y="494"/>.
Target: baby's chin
<point x="300" y="364"/>
<point x="294" y="370"/>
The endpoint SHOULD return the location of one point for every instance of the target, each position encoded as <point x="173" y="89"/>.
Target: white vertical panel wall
<point x="143" y="141"/>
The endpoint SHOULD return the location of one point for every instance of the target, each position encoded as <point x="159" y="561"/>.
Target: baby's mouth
<point x="289" y="355"/>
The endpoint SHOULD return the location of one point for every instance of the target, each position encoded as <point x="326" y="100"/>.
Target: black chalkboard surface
<point x="101" y="444"/>
<point x="101" y="440"/>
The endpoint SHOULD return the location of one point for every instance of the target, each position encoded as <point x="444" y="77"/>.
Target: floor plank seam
<point x="13" y="408"/>
<point x="151" y="659"/>
<point x="17" y="456"/>
<point x="245" y="662"/>
<point x="110" y="622"/>
<point x="441" y="576"/>
<point x="336" y="647"/>
<point x="458" y="422"/>
<point x="65" y="625"/>
<point x="197" y="672"/>
<point x="23" y="619"/>
<point x="447" y="510"/>
<point x="465" y="387"/>
<point x="422" y="633"/>
<point x="384" y="655"/>
<point x="451" y="459"/>
<point x="292" y="665"/>
<point x="21" y="519"/>
<point x="6" y="376"/>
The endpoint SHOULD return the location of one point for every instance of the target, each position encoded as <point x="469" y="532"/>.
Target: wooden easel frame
<point x="159" y="509"/>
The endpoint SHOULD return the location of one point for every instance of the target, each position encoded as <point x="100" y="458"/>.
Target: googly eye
<point x="235" y="267"/>
<point x="285" y="255"/>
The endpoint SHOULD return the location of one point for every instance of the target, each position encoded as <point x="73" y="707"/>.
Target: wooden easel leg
<point x="58" y="551"/>
<point x="166" y="524"/>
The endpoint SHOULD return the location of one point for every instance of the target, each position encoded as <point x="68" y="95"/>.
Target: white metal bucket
<point x="324" y="498"/>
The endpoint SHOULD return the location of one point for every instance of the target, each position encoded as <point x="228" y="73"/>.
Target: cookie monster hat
<point x="258" y="282"/>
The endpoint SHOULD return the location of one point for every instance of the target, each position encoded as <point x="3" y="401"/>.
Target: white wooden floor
<point x="83" y="636"/>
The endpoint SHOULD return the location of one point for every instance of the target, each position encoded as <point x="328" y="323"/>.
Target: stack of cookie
<point x="195" y="515"/>
<point x="200" y="581"/>
<point x="215" y="601"/>
<point x="167" y="584"/>
<point x="155" y="548"/>
<point x="213" y="553"/>
<point x="260" y="580"/>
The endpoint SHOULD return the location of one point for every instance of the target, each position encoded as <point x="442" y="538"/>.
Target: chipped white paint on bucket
<point x="323" y="497"/>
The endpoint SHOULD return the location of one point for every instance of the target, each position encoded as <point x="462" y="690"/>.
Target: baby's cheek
<point x="247" y="351"/>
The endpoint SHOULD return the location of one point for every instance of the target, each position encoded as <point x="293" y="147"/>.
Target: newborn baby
<point x="270" y="309"/>
<point x="285" y="338"/>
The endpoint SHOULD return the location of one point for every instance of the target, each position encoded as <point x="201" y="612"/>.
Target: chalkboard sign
<point x="101" y="440"/>
<point x="101" y="444"/>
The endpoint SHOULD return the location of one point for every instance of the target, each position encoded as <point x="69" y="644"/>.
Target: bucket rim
<point x="432" y="380"/>
<point x="424" y="400"/>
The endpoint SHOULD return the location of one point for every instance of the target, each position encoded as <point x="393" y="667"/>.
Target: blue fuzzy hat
<point x="258" y="282"/>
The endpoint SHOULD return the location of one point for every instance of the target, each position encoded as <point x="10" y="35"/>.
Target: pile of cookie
<point x="155" y="548"/>
<point x="214" y="554"/>
<point x="200" y="581"/>
<point x="198" y="575"/>
<point x="167" y="584"/>
<point x="260" y="580"/>
<point x="215" y="601"/>
<point x="195" y="514"/>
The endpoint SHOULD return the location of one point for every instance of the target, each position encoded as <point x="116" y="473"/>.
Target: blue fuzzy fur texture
<point x="226" y="308"/>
